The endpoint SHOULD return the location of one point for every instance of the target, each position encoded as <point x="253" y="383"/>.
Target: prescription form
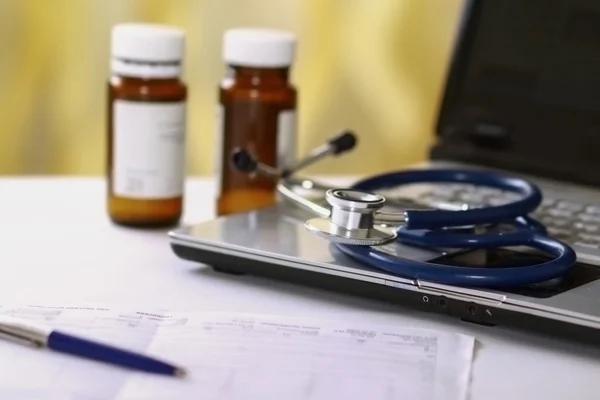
<point x="238" y="356"/>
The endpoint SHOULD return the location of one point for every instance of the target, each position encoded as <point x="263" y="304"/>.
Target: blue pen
<point x="43" y="337"/>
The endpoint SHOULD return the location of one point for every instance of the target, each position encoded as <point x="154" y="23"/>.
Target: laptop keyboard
<point x="571" y="222"/>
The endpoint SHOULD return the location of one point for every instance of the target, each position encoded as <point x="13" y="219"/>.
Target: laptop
<point x="521" y="96"/>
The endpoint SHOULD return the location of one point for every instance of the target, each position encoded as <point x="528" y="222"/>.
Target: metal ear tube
<point x="341" y="143"/>
<point x="288" y="185"/>
<point x="295" y="188"/>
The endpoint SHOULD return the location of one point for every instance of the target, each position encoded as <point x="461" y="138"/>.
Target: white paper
<point x="240" y="356"/>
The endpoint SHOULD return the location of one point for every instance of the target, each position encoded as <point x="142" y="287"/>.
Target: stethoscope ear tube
<point x="435" y="219"/>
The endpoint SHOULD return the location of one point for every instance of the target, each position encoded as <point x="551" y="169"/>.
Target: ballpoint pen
<point x="37" y="336"/>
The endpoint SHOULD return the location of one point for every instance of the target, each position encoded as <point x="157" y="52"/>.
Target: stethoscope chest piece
<point x="351" y="220"/>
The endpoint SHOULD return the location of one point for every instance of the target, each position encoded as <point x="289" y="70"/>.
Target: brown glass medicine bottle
<point x="146" y="126"/>
<point x="257" y="112"/>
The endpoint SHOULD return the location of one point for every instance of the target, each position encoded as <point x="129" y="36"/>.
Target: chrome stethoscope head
<point x="352" y="219"/>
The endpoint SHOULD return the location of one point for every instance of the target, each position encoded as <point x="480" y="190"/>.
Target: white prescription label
<point x="148" y="149"/>
<point x="286" y="138"/>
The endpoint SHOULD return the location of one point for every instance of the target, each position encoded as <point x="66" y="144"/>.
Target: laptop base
<point x="223" y="245"/>
<point x="466" y="311"/>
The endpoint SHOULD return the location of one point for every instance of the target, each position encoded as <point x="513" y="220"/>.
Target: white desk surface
<point x="58" y="246"/>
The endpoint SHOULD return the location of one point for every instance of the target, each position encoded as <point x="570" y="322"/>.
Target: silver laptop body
<point x="522" y="99"/>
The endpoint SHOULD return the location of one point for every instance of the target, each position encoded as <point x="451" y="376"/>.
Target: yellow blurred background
<point x="375" y="66"/>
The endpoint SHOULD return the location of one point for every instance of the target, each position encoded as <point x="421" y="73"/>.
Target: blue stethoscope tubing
<point x="432" y="229"/>
<point x="435" y="219"/>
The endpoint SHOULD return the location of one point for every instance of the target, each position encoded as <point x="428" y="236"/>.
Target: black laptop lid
<point x="523" y="89"/>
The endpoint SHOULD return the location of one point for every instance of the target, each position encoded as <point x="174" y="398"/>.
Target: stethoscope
<point x="354" y="220"/>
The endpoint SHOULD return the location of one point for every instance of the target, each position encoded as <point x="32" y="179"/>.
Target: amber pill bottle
<point x="256" y="111"/>
<point x="146" y="126"/>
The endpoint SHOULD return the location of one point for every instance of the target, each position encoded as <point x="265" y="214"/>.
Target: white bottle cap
<point x="147" y="50"/>
<point x="258" y="47"/>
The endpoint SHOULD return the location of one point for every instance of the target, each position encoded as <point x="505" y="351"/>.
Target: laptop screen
<point x="523" y="90"/>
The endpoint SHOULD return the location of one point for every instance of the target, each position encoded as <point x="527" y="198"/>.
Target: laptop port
<point x="472" y="309"/>
<point x="441" y="304"/>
